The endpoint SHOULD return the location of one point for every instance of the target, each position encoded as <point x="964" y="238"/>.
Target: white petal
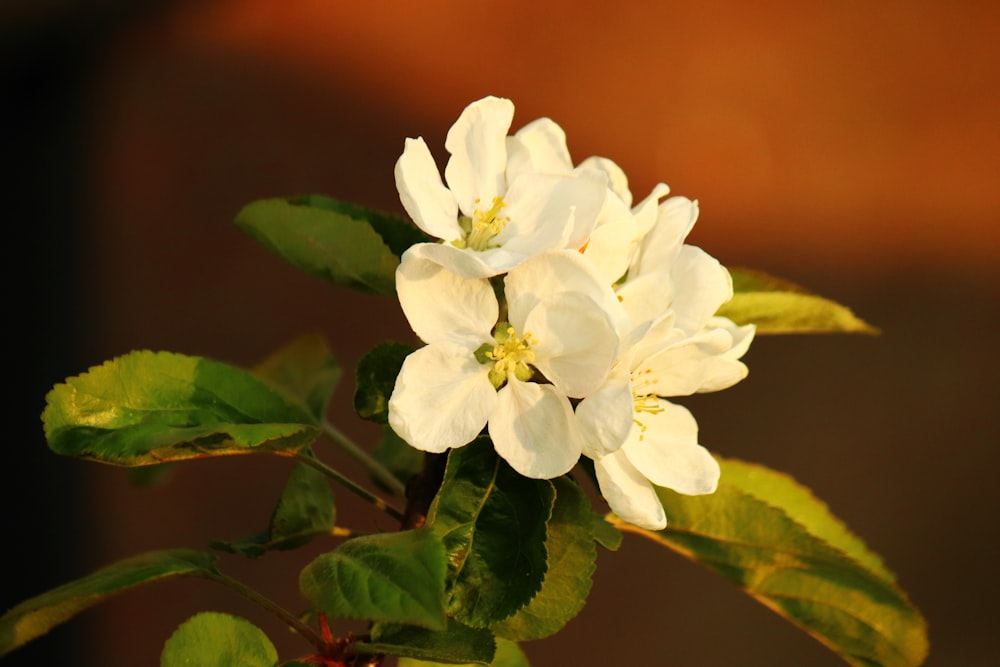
<point x="613" y="242"/>
<point x="538" y="147"/>
<point x="587" y="191"/>
<point x="477" y="143"/>
<point x="576" y="339"/>
<point x="429" y="203"/>
<point x="468" y="263"/>
<point x="628" y="493"/>
<point x="696" y="364"/>
<point x="646" y="211"/>
<point x="443" y="307"/>
<point x="617" y="180"/>
<point x="548" y="211"/>
<point x="442" y="398"/>
<point x="655" y="337"/>
<point x="540" y="216"/>
<point x="667" y="453"/>
<point x="701" y="285"/>
<point x="534" y="430"/>
<point x="676" y="216"/>
<point x="605" y="416"/>
<point x="646" y="298"/>
<point x="554" y="272"/>
<point x="742" y="335"/>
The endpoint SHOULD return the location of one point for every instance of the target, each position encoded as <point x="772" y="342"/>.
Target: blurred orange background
<point x="851" y="147"/>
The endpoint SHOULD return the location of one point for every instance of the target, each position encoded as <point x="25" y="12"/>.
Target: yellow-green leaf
<point x="777" y="306"/>
<point x="33" y="618"/>
<point x="219" y="640"/>
<point x="329" y="244"/>
<point x="786" y="549"/>
<point x="154" y="407"/>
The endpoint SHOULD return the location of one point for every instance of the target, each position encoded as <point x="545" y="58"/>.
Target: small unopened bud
<point x="497" y="377"/>
<point x="522" y="372"/>
<point x="484" y="353"/>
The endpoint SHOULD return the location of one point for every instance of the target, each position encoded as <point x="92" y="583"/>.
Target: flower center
<point x="643" y="403"/>
<point x="510" y="356"/>
<point x="484" y="226"/>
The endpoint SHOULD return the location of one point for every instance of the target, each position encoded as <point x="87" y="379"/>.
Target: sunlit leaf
<point x="456" y="644"/>
<point x="219" y="640"/>
<point x="389" y="577"/>
<point x="328" y="244"/>
<point x="306" y="369"/>
<point x="785" y="549"/>
<point x="492" y="521"/>
<point x="798" y="502"/>
<point x="36" y="616"/>
<point x="778" y="306"/>
<point x="154" y="407"/>
<point x="375" y="379"/>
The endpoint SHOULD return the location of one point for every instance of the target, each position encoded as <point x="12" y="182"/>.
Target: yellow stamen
<point x="644" y="403"/>
<point x="511" y="356"/>
<point x="486" y="225"/>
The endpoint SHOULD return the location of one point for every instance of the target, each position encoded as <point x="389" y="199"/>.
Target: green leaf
<point x="304" y="512"/>
<point x="324" y="243"/>
<point x="457" y="644"/>
<point x="397" y="456"/>
<point x="375" y="379"/>
<point x="36" y="616"/>
<point x="782" y="491"/>
<point x="154" y="407"/>
<point x="785" y="549"/>
<point x="389" y="577"/>
<point x="306" y="369"/>
<point x="398" y="233"/>
<point x="492" y="521"/>
<point x="572" y="559"/>
<point x="508" y="654"/>
<point x="212" y="639"/>
<point x="306" y="509"/>
<point x="606" y="534"/>
<point x="777" y="306"/>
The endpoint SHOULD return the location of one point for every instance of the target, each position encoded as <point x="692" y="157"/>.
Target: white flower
<point x="516" y="376"/>
<point x="492" y="215"/>
<point x="540" y="147"/>
<point x="672" y="346"/>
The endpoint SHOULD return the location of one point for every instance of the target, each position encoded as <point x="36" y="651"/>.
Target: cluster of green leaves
<point x="492" y="559"/>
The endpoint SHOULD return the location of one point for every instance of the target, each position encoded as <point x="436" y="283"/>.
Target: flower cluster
<point x="558" y="315"/>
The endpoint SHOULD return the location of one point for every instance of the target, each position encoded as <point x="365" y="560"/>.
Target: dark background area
<point x="851" y="148"/>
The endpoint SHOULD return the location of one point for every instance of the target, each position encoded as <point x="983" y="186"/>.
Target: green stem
<point x="288" y="617"/>
<point x="347" y="483"/>
<point x="379" y="471"/>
